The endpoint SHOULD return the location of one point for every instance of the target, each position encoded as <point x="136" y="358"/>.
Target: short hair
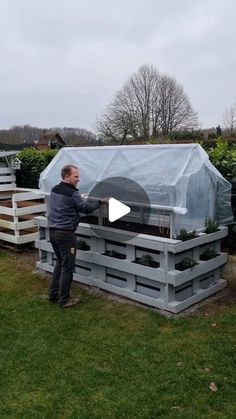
<point x="66" y="170"/>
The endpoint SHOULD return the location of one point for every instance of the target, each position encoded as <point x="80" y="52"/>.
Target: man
<point x="65" y="204"/>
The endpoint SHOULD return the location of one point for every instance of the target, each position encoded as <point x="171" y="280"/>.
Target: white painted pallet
<point x="17" y="211"/>
<point x="164" y="287"/>
<point x="7" y="179"/>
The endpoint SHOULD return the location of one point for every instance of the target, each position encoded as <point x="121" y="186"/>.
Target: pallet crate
<point x="163" y="286"/>
<point x="18" y="208"/>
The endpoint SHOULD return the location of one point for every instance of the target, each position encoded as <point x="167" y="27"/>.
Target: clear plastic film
<point x="172" y="175"/>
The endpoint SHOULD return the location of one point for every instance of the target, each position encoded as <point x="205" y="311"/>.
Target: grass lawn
<point x="105" y="359"/>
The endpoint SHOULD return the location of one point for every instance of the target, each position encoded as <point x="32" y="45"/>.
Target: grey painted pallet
<point x="163" y="287"/>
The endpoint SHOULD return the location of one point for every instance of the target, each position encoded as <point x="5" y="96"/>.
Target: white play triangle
<point x="116" y="209"/>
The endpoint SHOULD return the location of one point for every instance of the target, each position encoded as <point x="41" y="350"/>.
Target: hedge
<point x="33" y="163"/>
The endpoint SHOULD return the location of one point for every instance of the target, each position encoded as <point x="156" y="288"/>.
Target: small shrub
<point x="114" y="254"/>
<point x="147" y="260"/>
<point x="186" y="235"/>
<point x="208" y="254"/>
<point x="211" y="226"/>
<point x="186" y="263"/>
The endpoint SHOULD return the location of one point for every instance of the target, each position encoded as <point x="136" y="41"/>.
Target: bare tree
<point x="117" y="123"/>
<point x="175" y="110"/>
<point x="148" y="104"/>
<point x="131" y="112"/>
<point x="229" y="118"/>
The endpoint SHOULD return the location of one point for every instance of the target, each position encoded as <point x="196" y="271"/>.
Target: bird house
<point x="15" y="163"/>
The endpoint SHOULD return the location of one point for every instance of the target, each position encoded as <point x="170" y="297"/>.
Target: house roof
<point x="46" y="137"/>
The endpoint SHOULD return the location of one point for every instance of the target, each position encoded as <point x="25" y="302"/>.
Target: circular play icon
<point x="126" y="213"/>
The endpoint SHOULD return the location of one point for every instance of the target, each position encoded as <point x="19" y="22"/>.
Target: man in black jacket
<point x="65" y="204"/>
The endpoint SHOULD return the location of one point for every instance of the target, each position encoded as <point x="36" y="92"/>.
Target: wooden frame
<point x="164" y="287"/>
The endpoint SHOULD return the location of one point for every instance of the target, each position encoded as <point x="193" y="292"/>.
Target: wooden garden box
<point x="18" y="207"/>
<point x="163" y="286"/>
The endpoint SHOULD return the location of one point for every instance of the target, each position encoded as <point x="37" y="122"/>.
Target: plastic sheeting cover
<point x="174" y="175"/>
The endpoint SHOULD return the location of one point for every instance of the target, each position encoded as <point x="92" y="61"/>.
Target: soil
<point x="136" y="228"/>
<point x="180" y="267"/>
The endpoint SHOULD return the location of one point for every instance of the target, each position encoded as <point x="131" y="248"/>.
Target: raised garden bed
<point x="116" y="267"/>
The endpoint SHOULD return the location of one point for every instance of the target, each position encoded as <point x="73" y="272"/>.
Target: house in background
<point x="52" y="140"/>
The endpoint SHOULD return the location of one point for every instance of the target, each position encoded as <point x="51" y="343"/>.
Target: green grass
<point x="104" y="359"/>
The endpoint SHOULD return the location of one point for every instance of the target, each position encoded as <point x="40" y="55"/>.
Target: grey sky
<point x="63" y="60"/>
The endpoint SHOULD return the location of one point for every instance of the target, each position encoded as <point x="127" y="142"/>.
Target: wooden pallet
<point x="164" y="286"/>
<point x="17" y="214"/>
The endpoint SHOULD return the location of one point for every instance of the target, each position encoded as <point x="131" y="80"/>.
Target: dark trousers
<point x="64" y="246"/>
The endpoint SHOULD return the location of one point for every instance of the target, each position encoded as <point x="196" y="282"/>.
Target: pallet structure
<point x="7" y="175"/>
<point x="18" y="208"/>
<point x="163" y="286"/>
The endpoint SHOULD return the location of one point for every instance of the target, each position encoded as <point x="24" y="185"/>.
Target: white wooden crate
<point x="17" y="211"/>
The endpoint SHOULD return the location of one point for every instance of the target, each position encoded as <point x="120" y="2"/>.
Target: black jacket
<point x="65" y="204"/>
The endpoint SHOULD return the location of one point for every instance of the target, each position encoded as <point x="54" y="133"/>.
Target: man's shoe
<point x="70" y="303"/>
<point x="48" y="298"/>
<point x="53" y="300"/>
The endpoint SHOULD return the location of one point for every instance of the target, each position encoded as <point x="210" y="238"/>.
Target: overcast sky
<point x="61" y="61"/>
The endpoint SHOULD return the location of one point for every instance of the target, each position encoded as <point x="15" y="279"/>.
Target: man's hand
<point x="105" y="201"/>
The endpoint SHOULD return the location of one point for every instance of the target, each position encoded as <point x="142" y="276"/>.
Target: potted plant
<point x="211" y="226"/>
<point x="147" y="260"/>
<point x="114" y="254"/>
<point x="186" y="263"/>
<point x="186" y="235"/>
<point x="208" y="254"/>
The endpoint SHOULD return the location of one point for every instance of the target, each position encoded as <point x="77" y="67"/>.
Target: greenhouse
<point x="171" y="175"/>
<point x="152" y="263"/>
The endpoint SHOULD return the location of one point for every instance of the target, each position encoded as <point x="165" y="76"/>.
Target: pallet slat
<point x="7" y="179"/>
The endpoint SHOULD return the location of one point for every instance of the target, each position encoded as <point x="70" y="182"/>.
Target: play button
<point x="117" y="209"/>
<point x="127" y="212"/>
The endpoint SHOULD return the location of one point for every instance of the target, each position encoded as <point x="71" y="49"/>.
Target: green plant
<point x="33" y="163"/>
<point x="211" y="225"/>
<point x="146" y="260"/>
<point x="208" y="254"/>
<point x="185" y="235"/>
<point x="186" y="263"/>
<point x="82" y="245"/>
<point x="223" y="157"/>
<point x="189" y="262"/>
<point x="114" y="254"/>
